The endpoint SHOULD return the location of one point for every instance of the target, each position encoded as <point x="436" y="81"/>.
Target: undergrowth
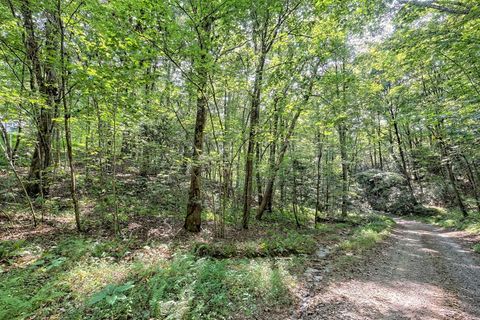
<point x="78" y="277"/>
<point x="368" y="235"/>
<point x="455" y="220"/>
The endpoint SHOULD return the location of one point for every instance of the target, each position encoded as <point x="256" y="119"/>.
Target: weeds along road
<point x="424" y="273"/>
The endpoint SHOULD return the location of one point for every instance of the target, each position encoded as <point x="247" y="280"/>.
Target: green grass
<point x="455" y="220"/>
<point x="9" y="250"/>
<point x="77" y="280"/>
<point x="77" y="277"/>
<point x="36" y="287"/>
<point x="476" y="248"/>
<point x="368" y="235"/>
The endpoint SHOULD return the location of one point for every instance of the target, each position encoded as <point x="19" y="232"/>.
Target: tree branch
<point x="434" y="5"/>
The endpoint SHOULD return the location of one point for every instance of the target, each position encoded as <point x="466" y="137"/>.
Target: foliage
<point x="277" y="244"/>
<point x="10" y="249"/>
<point x="368" y="235"/>
<point x="111" y="294"/>
<point x="454" y="219"/>
<point x="476" y="248"/>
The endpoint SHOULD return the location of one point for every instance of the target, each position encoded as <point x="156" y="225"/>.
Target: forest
<point x="239" y="159"/>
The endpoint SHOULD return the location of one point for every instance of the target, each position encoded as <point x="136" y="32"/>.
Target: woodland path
<point x="423" y="272"/>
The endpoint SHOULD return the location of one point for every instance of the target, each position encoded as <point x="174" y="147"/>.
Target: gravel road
<point x="423" y="273"/>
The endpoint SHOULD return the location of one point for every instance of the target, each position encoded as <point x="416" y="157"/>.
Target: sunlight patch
<point x="90" y="276"/>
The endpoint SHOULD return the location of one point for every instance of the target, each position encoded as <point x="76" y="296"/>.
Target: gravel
<point x="424" y="273"/>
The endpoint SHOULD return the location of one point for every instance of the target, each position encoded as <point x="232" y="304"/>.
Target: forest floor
<point x="156" y="270"/>
<point x="421" y="272"/>
<point x="365" y="267"/>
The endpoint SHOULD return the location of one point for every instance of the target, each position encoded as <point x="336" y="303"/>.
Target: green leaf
<point x="111" y="299"/>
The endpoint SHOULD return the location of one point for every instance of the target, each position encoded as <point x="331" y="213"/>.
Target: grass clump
<point x="368" y="235"/>
<point x="455" y="220"/>
<point x="10" y="250"/>
<point x="476" y="248"/>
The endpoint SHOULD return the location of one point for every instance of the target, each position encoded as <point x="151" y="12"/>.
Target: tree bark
<point x="254" y="115"/>
<point x="273" y="152"/>
<point x="193" y="220"/>
<point x="342" y="134"/>
<point x="67" y="115"/>
<point x="318" y="178"/>
<point x="451" y="176"/>
<point x="43" y="80"/>
<point x="402" y="154"/>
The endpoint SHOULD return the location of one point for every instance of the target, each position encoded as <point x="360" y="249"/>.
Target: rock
<point x="322" y="252"/>
<point x="311" y="271"/>
<point x="386" y="191"/>
<point x="318" y="278"/>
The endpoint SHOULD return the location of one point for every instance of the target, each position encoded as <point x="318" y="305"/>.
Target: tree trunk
<point x="294" y="193"/>
<point x="257" y="173"/>
<point x="342" y="133"/>
<point x="193" y="220"/>
<point x="22" y="185"/>
<point x="273" y="152"/>
<point x="451" y="176"/>
<point x="473" y="182"/>
<point x="273" y="173"/>
<point x="66" y="113"/>
<point x="42" y="79"/>
<point x="318" y="180"/>
<point x="291" y="129"/>
<point x="402" y="155"/>
<point x="254" y="116"/>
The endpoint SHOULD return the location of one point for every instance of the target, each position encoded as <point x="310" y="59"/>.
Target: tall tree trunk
<point x="22" y="185"/>
<point x="402" y="154"/>
<point x="43" y="80"/>
<point x="254" y="116"/>
<point x="318" y="178"/>
<point x="342" y="134"/>
<point x="257" y="173"/>
<point x="193" y="220"/>
<point x="451" y="176"/>
<point x="291" y="129"/>
<point x="327" y="182"/>
<point x="473" y="182"/>
<point x="66" y="114"/>
<point x="273" y="152"/>
<point x="101" y="136"/>
<point x="278" y="163"/>
<point x="379" y="139"/>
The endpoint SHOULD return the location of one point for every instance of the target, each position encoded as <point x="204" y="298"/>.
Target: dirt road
<point x="423" y="273"/>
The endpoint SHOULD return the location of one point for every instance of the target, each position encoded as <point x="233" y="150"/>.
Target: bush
<point x="427" y="211"/>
